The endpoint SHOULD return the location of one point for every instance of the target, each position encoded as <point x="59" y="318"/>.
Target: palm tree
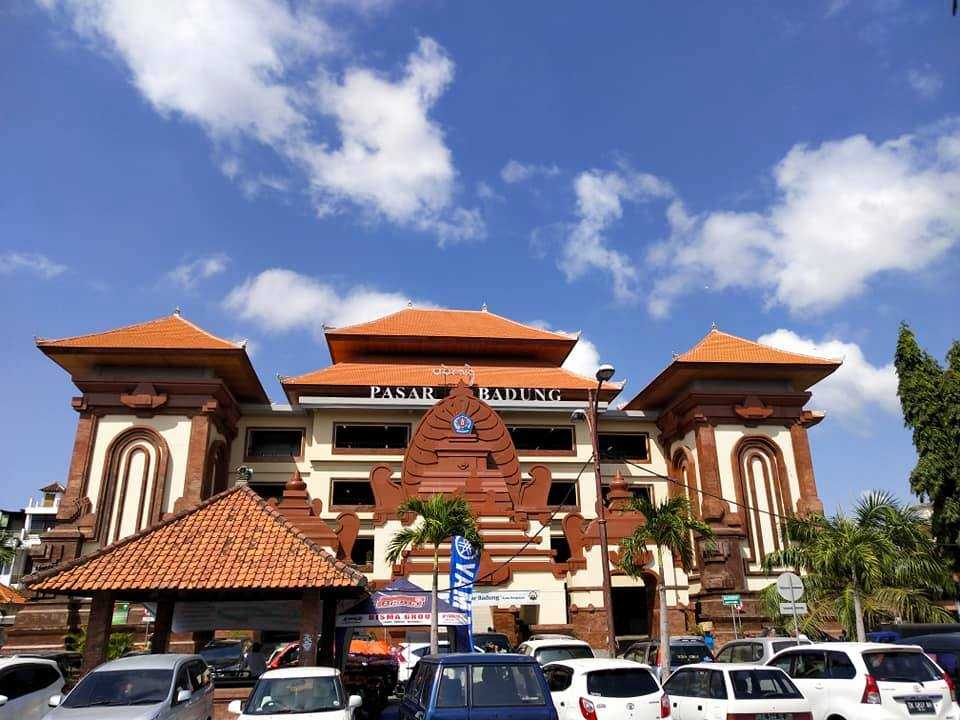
<point x="667" y="526"/>
<point x="443" y="518"/>
<point x="8" y="547"/>
<point x="879" y="563"/>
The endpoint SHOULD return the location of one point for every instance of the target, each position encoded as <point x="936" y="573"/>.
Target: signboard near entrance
<point x="794" y="608"/>
<point x="731" y="600"/>
<point x="790" y="586"/>
<point x="506" y="597"/>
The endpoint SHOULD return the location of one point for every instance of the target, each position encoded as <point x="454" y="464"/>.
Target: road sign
<point x="731" y="599"/>
<point x="793" y="608"/>
<point x="790" y="586"/>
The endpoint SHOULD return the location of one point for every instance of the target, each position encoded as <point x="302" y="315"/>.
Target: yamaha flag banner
<point x="464" y="562"/>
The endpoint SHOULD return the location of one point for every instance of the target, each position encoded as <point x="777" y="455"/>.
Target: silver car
<point x="756" y="651"/>
<point x="141" y="687"/>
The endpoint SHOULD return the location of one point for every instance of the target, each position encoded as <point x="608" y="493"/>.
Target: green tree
<point x="930" y="398"/>
<point x="118" y="646"/>
<point x="442" y="518"/>
<point x="8" y="547"/>
<point x="667" y="526"/>
<point x="880" y="563"/>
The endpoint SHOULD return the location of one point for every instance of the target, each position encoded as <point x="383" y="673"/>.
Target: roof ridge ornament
<point x="483" y="308"/>
<point x="177" y="311"/>
<point x="713" y="325"/>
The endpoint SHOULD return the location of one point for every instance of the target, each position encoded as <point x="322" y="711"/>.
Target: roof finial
<point x="176" y="311"/>
<point x="713" y="325"/>
<point x="483" y="308"/>
<point x="675" y="355"/>
<point x="409" y="303"/>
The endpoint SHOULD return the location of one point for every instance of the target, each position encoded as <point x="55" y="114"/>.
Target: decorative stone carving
<point x="753" y="410"/>
<point x="144" y="397"/>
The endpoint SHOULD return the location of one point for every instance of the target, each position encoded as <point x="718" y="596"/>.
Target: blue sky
<point x="636" y="171"/>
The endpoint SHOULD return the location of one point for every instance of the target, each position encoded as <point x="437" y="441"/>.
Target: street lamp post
<point x="604" y="373"/>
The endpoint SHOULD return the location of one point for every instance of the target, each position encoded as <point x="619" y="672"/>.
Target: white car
<point x="307" y="693"/>
<point x="714" y="691"/>
<point x="870" y="681"/>
<point x="409" y="655"/>
<point x="602" y="689"/>
<point x="26" y="685"/>
<point x="545" y="651"/>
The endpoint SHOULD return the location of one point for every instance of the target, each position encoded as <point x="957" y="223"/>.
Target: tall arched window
<point x="763" y="490"/>
<point x="133" y="484"/>
<point x="684" y="471"/>
<point x="215" y="470"/>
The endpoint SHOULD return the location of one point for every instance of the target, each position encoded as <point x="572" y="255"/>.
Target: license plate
<point x="773" y="716"/>
<point x="920" y="706"/>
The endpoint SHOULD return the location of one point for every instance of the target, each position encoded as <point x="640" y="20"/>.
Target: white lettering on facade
<point x="508" y="394"/>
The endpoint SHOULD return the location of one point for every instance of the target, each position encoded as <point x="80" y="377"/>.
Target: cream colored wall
<point x="174" y="429"/>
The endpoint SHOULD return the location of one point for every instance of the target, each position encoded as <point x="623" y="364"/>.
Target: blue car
<point x="477" y="686"/>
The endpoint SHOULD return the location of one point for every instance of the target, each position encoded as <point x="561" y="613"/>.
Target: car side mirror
<point x="183" y="696"/>
<point x="354" y="702"/>
<point x="235" y="707"/>
<point x="54" y="700"/>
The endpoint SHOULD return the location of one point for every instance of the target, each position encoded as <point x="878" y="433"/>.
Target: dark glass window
<point x="563" y="493"/>
<point x="623" y="446"/>
<point x="542" y="439"/>
<point x="762" y="684"/>
<point x="620" y="683"/>
<point x="562" y="548"/>
<point x="274" y="443"/>
<point x="636" y="490"/>
<point x="347" y="436"/>
<point x="362" y="553"/>
<point x="268" y="490"/>
<point x="352" y="492"/>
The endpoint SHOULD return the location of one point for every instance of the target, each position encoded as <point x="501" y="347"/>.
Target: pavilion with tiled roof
<point x="233" y="546"/>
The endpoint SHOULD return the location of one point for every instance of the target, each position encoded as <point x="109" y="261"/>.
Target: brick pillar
<point x="310" y="622"/>
<point x="809" y="501"/>
<point x="708" y="464"/>
<point x="79" y="466"/>
<point x="328" y="633"/>
<point x="196" y="463"/>
<point x="99" y="625"/>
<point x="160" y="640"/>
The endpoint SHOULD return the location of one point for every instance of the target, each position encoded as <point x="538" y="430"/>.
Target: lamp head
<point x="578" y="415"/>
<point x="605" y="372"/>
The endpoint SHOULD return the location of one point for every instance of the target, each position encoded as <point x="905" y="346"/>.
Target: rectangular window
<point x="545" y="440"/>
<point x="563" y="493"/>
<point x="362" y="553"/>
<point x="615" y="447"/>
<point x="274" y="443"/>
<point x="352" y="493"/>
<point x="363" y="436"/>
<point x="506" y="685"/>
<point x="637" y="491"/>
<point x="561" y="548"/>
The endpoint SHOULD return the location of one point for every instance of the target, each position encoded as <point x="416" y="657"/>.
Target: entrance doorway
<point x="632" y="610"/>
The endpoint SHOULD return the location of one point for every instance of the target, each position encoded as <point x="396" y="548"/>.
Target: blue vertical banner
<point x="464" y="562"/>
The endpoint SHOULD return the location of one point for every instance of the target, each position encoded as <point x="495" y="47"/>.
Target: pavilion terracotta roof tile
<point x="721" y="347"/>
<point x="172" y="332"/>
<point x="9" y="596"/>
<point x="422" y="322"/>
<point x="234" y="540"/>
<point x="348" y="373"/>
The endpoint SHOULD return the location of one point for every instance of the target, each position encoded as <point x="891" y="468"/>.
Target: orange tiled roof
<point x="347" y="373"/>
<point x="9" y="596"/>
<point x="234" y="540"/>
<point x="421" y="322"/>
<point x="172" y="332"/>
<point x="722" y="347"/>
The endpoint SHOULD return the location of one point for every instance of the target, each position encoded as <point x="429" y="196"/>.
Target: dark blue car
<point x="477" y="686"/>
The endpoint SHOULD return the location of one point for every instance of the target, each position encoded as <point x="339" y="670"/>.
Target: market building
<point x="172" y="418"/>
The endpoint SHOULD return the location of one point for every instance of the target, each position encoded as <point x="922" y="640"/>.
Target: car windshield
<point x="760" y="684"/>
<point x="562" y="652"/>
<point x="222" y="653"/>
<point x="484" y="639"/>
<point x="689" y="653"/>
<point x="900" y="666"/>
<point x="121" y="687"/>
<point x="292" y="695"/>
<point x="621" y="683"/>
<point x="506" y="685"/>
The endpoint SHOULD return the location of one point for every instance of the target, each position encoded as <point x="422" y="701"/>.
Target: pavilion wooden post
<point x="99" y="625"/>
<point x="328" y="632"/>
<point x="309" y="625"/>
<point x="162" y="625"/>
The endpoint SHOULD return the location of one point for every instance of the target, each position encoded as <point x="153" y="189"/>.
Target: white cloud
<point x="515" y="171"/>
<point x="188" y="274"/>
<point x="485" y="191"/>
<point x="280" y="300"/>
<point x="845" y="212"/>
<point x="925" y="81"/>
<point x="600" y="197"/>
<point x="255" y="70"/>
<point x="12" y="261"/>
<point x="584" y="359"/>
<point x="855" y="390"/>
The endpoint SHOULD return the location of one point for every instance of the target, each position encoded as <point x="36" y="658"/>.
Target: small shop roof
<point x="233" y="541"/>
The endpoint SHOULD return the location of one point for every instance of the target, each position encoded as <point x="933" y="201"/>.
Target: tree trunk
<point x="664" y="624"/>
<point x="434" y="629"/>
<point x="858" y="612"/>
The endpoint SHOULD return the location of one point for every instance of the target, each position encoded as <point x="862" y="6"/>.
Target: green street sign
<point x="731" y="599"/>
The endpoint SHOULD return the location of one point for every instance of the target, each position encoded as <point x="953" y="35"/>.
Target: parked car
<point x="603" y="689"/>
<point x="145" y="687"/>
<point x="226" y="658"/>
<point x="26" y="683"/>
<point x="707" y="690"/>
<point x="859" y="680"/>
<point x="69" y="662"/>
<point x="487" y="639"/>
<point x="481" y="686"/>
<point x="309" y="693"/>
<point x="559" y="648"/>
<point x="684" y="650"/>
<point x="755" y="650"/>
<point x="409" y="654"/>
<point x="942" y="648"/>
